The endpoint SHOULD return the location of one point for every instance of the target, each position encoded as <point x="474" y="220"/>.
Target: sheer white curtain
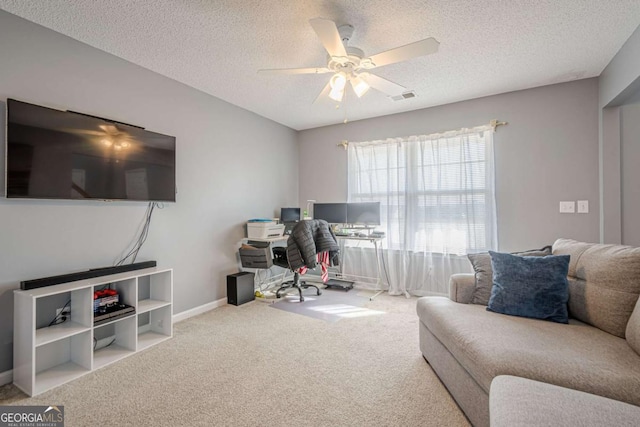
<point x="437" y="197"/>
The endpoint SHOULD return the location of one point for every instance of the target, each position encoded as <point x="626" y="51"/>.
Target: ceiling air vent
<point x="406" y="95"/>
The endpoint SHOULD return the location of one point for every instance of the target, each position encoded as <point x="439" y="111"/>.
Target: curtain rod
<point x="493" y="123"/>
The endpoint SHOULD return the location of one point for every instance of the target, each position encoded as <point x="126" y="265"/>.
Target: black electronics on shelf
<point x="82" y="275"/>
<point x="117" y="311"/>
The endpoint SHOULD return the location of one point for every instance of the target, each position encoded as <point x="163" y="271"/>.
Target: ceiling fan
<point x="349" y="64"/>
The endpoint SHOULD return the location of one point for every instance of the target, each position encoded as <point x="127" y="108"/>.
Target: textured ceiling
<point x="486" y="46"/>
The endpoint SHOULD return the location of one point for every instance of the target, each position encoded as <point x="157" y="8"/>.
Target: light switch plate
<point x="567" y="207"/>
<point x="583" y="206"/>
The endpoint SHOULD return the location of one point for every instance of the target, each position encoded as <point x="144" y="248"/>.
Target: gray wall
<point x="621" y="73"/>
<point x="619" y="84"/>
<point x="630" y="172"/>
<point x="232" y="165"/>
<point x="547" y="153"/>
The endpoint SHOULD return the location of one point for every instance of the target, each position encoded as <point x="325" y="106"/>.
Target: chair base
<point x="299" y="285"/>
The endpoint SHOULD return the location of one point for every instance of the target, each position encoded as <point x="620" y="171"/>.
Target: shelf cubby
<point x="61" y="361"/>
<point x="154" y="291"/>
<point x="126" y="290"/>
<point x="123" y="332"/>
<point x="46" y="356"/>
<point x="154" y="326"/>
<point x="78" y="321"/>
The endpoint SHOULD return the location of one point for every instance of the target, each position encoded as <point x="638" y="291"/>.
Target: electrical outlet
<point x="583" y="206"/>
<point x="567" y="207"/>
<point x="63" y="311"/>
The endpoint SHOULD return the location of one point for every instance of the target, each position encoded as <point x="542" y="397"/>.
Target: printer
<point x="263" y="229"/>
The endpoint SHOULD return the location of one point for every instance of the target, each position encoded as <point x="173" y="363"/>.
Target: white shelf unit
<point x="48" y="356"/>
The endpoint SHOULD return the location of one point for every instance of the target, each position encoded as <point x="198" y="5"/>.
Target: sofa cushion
<point x="604" y="283"/>
<point x="576" y="355"/>
<point x="533" y="287"/>
<point x="481" y="263"/>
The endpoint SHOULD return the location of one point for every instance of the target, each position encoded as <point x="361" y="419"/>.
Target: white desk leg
<point x="379" y="281"/>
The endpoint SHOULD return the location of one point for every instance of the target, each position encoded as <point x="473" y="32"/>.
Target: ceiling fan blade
<point x="324" y="94"/>
<point x="295" y="71"/>
<point x="329" y="36"/>
<point x="383" y="85"/>
<point x="403" y="53"/>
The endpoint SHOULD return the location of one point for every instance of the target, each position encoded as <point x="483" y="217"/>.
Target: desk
<point x="278" y="279"/>
<point x="377" y="247"/>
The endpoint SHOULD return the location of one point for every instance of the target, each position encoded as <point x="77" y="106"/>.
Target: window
<point x="436" y="191"/>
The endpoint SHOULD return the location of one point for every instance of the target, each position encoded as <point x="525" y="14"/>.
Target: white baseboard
<point x="199" y="310"/>
<point x="6" y="377"/>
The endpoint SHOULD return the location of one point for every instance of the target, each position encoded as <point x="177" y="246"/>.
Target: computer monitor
<point x="333" y="213"/>
<point x="367" y="213"/>
<point x="289" y="215"/>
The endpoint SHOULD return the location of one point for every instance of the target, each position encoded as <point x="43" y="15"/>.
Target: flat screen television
<point x="289" y="215"/>
<point x="53" y="154"/>
<point x="367" y="213"/>
<point x="333" y="213"/>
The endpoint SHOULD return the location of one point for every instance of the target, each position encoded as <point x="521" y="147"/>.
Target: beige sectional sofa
<point x="598" y="352"/>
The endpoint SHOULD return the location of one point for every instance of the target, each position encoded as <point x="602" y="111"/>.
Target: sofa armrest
<point x="633" y="329"/>
<point x="461" y="287"/>
<point x="515" y="401"/>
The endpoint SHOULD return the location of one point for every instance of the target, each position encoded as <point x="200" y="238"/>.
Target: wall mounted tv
<point x="53" y="154"/>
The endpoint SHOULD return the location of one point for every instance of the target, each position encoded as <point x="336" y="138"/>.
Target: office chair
<point x="308" y="238"/>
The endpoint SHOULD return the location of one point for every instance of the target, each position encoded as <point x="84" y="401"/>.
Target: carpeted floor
<point x="253" y="365"/>
<point x="331" y="306"/>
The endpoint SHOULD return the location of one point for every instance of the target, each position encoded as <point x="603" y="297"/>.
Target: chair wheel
<point x="319" y="292"/>
<point x="301" y="299"/>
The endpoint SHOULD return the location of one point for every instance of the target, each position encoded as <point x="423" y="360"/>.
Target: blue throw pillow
<point x="533" y="287"/>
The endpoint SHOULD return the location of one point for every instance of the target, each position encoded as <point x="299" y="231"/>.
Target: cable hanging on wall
<point x="142" y="237"/>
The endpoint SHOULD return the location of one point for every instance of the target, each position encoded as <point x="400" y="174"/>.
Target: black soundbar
<point x="90" y="274"/>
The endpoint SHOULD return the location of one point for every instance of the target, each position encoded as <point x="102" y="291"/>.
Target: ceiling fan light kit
<point x="349" y="63"/>
<point x="337" y="83"/>
<point x="359" y="85"/>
